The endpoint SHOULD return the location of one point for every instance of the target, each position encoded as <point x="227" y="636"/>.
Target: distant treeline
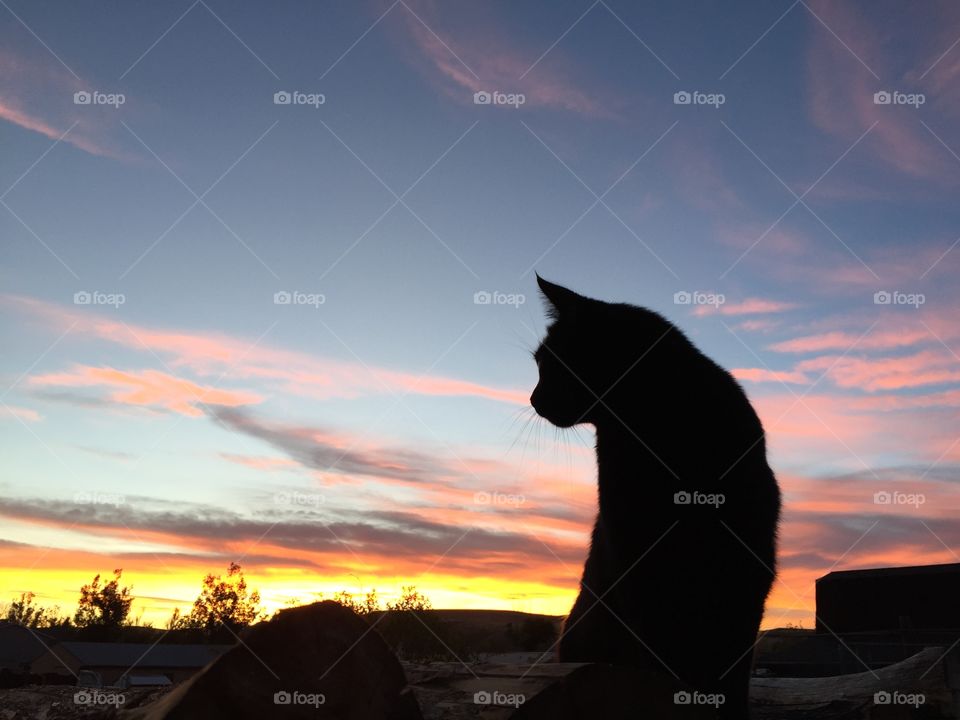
<point x="226" y="606"/>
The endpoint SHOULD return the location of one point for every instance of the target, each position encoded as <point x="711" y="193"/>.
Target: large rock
<point x="317" y="661"/>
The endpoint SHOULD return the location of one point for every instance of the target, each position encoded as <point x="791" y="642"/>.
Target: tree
<point x="369" y="604"/>
<point x="411" y="599"/>
<point x="24" y="612"/>
<point x="104" y="606"/>
<point x="223" y="601"/>
<point x="177" y="620"/>
<point x="412" y="630"/>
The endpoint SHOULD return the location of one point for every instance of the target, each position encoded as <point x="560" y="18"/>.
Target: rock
<point x="317" y="661"/>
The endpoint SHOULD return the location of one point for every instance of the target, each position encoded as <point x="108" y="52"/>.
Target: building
<point x="20" y="646"/>
<point x="113" y="664"/>
<point x="923" y="598"/>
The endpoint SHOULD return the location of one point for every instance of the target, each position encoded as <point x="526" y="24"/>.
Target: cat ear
<point x="563" y="302"/>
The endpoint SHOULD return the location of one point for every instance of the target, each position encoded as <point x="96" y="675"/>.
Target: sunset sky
<point x="375" y="431"/>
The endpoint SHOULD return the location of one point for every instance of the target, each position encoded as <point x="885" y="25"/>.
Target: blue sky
<point x="786" y="188"/>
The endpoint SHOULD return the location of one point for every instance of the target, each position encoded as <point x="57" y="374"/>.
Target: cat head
<point x="590" y="348"/>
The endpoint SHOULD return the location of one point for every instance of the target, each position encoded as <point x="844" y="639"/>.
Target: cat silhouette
<point x="683" y="550"/>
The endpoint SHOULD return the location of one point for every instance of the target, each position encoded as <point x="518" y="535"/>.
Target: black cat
<point x="684" y="546"/>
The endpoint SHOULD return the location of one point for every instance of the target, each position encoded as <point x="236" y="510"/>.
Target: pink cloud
<point x="750" y="306"/>
<point x="35" y="89"/>
<point x="759" y="325"/>
<point x="761" y="375"/>
<point x="257" y="462"/>
<point x="482" y="61"/>
<point x="840" y="340"/>
<point x="888" y="402"/>
<point x="147" y="388"/>
<point x="22" y="413"/>
<point x="841" y="94"/>
<point x="930" y="367"/>
<point x="290" y="371"/>
<point x="18" y="117"/>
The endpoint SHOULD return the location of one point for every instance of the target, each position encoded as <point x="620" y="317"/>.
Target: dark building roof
<point x="19" y="646"/>
<point x="915" y="598"/>
<point x="911" y="570"/>
<point x="128" y="655"/>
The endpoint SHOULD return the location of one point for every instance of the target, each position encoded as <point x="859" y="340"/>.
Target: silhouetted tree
<point x="24" y="612"/>
<point x="413" y="630"/>
<point x="369" y="604"/>
<point x="411" y="599"/>
<point x="223" y="602"/>
<point x="105" y="606"/>
<point x="177" y="620"/>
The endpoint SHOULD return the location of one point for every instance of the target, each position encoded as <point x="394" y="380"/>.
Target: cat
<point x="683" y="550"/>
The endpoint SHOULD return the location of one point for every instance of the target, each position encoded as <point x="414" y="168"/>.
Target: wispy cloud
<point x="750" y="306"/>
<point x="38" y="96"/>
<point x="762" y="375"/>
<point x="146" y="388"/>
<point x="318" y="449"/>
<point x="485" y="59"/>
<point x="930" y="367"/>
<point x="211" y="355"/>
<point x="22" y="413"/>
<point x="842" y="88"/>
